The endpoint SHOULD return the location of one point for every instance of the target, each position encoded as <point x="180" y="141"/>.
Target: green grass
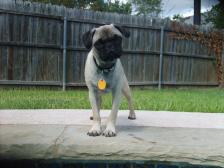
<point x="194" y="100"/>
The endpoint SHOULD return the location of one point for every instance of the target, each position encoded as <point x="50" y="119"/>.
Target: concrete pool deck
<point x="194" y="138"/>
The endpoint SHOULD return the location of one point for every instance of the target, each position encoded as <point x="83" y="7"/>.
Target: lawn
<point x="198" y="100"/>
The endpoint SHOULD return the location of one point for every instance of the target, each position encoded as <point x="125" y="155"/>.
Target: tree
<point x="216" y="15"/>
<point x="178" y="17"/>
<point x="118" y="7"/>
<point x="96" y="5"/>
<point x="67" y="3"/>
<point x="109" y="6"/>
<point x="147" y="7"/>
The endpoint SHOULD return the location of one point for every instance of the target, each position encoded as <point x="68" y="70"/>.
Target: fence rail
<point x="42" y="45"/>
<point x="59" y="47"/>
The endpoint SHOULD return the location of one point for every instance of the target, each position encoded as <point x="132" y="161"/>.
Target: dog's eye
<point x="99" y="44"/>
<point x="116" y="37"/>
<point x="118" y="40"/>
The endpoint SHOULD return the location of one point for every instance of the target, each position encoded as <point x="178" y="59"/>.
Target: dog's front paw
<point x="109" y="131"/>
<point x="95" y="131"/>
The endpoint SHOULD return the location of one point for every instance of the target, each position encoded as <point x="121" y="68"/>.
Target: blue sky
<point x="182" y="7"/>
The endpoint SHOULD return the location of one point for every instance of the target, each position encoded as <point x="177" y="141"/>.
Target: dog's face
<point x="107" y="40"/>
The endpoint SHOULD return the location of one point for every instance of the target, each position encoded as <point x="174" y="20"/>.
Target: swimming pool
<point x="96" y="164"/>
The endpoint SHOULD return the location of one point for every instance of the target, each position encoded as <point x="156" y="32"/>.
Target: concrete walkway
<point x="195" y="138"/>
<point x="144" y="118"/>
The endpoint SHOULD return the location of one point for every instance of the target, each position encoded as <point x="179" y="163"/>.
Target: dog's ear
<point x="87" y="38"/>
<point x="123" y="31"/>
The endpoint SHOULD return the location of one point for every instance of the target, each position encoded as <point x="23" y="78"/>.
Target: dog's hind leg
<point x="127" y="93"/>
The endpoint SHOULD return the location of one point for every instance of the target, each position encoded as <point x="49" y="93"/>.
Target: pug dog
<point x="104" y="73"/>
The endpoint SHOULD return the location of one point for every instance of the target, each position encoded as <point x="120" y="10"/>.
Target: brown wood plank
<point x="31" y="40"/>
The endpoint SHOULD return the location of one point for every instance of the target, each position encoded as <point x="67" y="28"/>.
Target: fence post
<point x="161" y="58"/>
<point x="64" y="52"/>
<point x="222" y="66"/>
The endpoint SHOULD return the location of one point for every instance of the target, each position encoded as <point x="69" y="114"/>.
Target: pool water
<point x="95" y="164"/>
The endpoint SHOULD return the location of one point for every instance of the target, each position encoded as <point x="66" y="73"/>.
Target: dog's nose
<point x="114" y="54"/>
<point x="110" y="46"/>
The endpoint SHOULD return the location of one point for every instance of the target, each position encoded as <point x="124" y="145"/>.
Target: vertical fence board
<point x="141" y="51"/>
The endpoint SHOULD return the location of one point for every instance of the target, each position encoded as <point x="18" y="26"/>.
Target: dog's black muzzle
<point x="110" y="55"/>
<point x="109" y="49"/>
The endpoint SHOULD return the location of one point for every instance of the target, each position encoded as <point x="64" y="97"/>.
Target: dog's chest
<point x="107" y="77"/>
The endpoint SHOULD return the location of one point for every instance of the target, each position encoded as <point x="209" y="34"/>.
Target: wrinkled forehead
<point x="105" y="32"/>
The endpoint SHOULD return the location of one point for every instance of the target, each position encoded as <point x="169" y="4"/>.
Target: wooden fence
<point x="33" y="38"/>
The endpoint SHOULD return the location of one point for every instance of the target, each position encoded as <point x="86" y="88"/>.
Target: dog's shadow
<point x="126" y="125"/>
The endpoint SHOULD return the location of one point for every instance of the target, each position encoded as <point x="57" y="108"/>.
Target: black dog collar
<point x="103" y="69"/>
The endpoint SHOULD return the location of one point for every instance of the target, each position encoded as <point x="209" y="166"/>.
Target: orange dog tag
<point x="102" y="84"/>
